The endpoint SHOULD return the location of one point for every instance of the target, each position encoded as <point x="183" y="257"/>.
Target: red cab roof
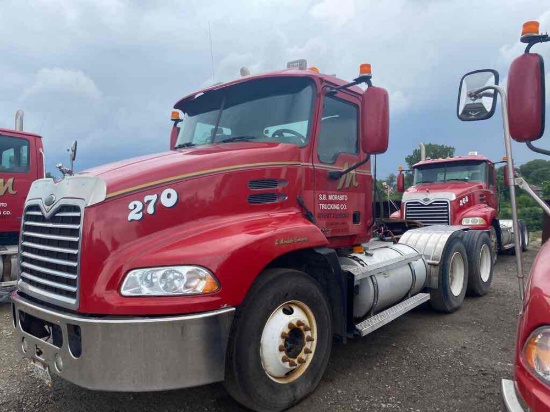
<point x="18" y="133"/>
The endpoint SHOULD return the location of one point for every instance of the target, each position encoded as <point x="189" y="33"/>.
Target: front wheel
<point x="280" y="341"/>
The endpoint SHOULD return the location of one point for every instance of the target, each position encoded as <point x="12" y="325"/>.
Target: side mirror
<point x="506" y="175"/>
<point x="375" y="120"/>
<point x="477" y="106"/>
<point x="72" y="151"/>
<point x="526" y="98"/>
<point x="400" y="182"/>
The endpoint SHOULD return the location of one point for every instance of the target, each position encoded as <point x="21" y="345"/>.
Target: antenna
<point x="211" y="53"/>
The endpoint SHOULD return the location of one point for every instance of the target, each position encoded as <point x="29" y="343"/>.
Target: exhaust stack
<point x="422" y="151"/>
<point x="19" y="120"/>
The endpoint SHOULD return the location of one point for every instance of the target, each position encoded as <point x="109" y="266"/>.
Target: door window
<point x="338" y="133"/>
<point x="14" y="154"/>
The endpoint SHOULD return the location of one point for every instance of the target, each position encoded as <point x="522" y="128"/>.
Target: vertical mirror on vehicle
<point x="400" y="182"/>
<point x="72" y="151"/>
<point x="526" y="97"/>
<point x="375" y="120"/>
<point x="478" y="106"/>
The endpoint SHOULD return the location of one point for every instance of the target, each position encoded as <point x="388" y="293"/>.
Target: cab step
<point x="377" y="321"/>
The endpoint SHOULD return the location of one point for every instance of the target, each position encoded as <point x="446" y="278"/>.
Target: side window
<point x="14" y="154"/>
<point x="339" y="130"/>
<point x="8" y="158"/>
<point x="491" y="175"/>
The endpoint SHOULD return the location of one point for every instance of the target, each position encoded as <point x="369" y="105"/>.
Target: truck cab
<point x="21" y="163"/>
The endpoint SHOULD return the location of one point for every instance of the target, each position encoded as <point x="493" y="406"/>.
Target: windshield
<point x="450" y="172"/>
<point x="14" y="154"/>
<point x="265" y="110"/>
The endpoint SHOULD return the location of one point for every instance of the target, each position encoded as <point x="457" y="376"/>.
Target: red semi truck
<point x="461" y="190"/>
<point x="523" y="110"/>
<point x="236" y="256"/>
<point x="22" y="162"/>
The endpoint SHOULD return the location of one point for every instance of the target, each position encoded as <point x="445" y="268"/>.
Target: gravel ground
<point x="423" y="361"/>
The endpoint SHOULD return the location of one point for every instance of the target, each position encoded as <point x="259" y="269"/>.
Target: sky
<point x="107" y="72"/>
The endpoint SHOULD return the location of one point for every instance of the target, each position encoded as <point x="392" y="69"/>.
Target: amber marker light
<point x="530" y="28"/>
<point x="400" y="168"/>
<point x="358" y="249"/>
<point x="314" y="69"/>
<point x="365" y="69"/>
<point x="504" y="159"/>
<point x="175" y="115"/>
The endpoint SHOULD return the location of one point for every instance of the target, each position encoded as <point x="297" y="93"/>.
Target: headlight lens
<point x="472" y="221"/>
<point x="536" y="353"/>
<point x="169" y="281"/>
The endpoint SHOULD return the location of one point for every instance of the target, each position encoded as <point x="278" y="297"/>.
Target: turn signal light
<point x="400" y="168"/>
<point x="365" y="69"/>
<point x="358" y="249"/>
<point x="504" y="159"/>
<point x="314" y="69"/>
<point x="530" y="28"/>
<point x="175" y="115"/>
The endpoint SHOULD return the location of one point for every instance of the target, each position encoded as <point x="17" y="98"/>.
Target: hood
<point x="447" y="190"/>
<point x="141" y="172"/>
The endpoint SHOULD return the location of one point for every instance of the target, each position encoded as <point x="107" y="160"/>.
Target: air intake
<point x="264" y="198"/>
<point x="261" y="184"/>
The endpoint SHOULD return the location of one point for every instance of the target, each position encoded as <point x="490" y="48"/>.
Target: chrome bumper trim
<point x="132" y="353"/>
<point x="510" y="397"/>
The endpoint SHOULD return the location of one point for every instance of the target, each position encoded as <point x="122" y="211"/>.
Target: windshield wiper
<point x="181" y="145"/>
<point x="237" y="139"/>
<point x="458" y="180"/>
<point x="424" y="181"/>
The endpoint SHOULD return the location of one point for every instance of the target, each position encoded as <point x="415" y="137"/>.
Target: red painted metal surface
<point x="14" y="186"/>
<point x="536" y="313"/>
<point x="526" y="98"/>
<point x="213" y="224"/>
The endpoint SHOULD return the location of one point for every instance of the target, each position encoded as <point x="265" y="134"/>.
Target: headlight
<point x="472" y="221"/>
<point x="169" y="281"/>
<point x="536" y="353"/>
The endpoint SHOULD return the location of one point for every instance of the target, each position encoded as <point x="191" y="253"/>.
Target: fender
<point x="235" y="249"/>
<point x="486" y="212"/>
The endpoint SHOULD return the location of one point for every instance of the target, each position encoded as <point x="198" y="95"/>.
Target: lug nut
<point x="291" y="325"/>
<point x="282" y="348"/>
<point x="292" y="363"/>
<point x="307" y="351"/>
<point x="284" y="335"/>
<point x="285" y="359"/>
<point x="301" y="360"/>
<point x="307" y="328"/>
<point x="300" y="323"/>
<point x="309" y="339"/>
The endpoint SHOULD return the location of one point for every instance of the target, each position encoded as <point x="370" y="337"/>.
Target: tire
<point x="453" y="278"/>
<point x="480" y="262"/>
<point x="524" y="236"/>
<point x="258" y="354"/>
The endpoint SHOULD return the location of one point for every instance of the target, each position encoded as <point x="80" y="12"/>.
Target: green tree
<point x="433" y="150"/>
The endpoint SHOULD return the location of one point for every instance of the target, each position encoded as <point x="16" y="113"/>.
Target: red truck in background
<point x="461" y="190"/>
<point x="21" y="163"/>
<point x="523" y="110"/>
<point x="236" y="256"/>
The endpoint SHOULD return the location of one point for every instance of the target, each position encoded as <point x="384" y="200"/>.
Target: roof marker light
<point x="400" y="168"/>
<point x="472" y="153"/>
<point x="313" y="69"/>
<point x="175" y="115"/>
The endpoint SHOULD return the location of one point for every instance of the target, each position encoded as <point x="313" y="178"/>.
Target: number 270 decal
<point x="168" y="199"/>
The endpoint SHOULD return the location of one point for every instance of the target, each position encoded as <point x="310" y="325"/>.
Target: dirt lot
<point x="423" y="361"/>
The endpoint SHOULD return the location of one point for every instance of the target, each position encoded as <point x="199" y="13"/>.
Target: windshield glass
<point x="14" y="154"/>
<point x="450" y="172"/>
<point x="265" y="110"/>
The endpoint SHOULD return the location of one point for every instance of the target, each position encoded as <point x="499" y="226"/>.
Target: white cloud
<point x="62" y="81"/>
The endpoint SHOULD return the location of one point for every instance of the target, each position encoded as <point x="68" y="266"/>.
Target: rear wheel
<point x="280" y="341"/>
<point x="524" y="236"/>
<point x="480" y="262"/>
<point x="494" y="243"/>
<point x="453" y="278"/>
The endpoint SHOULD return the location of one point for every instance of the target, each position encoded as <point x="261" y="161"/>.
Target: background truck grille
<point x="434" y="213"/>
<point x="49" y="258"/>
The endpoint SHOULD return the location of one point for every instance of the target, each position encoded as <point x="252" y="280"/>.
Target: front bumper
<point x="510" y="398"/>
<point x="125" y="353"/>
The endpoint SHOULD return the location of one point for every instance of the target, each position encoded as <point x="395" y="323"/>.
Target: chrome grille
<point x="434" y="213"/>
<point x="50" y="250"/>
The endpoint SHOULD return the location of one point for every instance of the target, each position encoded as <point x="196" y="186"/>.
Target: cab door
<point x="340" y="203"/>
